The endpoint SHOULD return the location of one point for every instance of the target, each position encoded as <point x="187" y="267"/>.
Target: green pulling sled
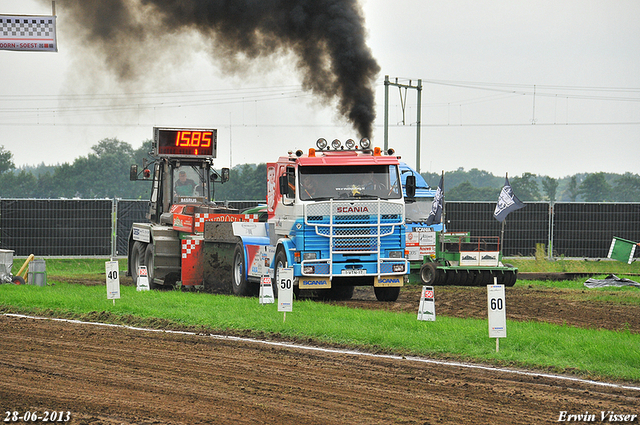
<point x="458" y="258"/>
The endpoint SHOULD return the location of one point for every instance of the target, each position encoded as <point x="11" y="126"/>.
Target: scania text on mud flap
<point x="336" y="216"/>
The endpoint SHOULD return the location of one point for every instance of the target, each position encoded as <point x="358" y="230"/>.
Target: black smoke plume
<point x="327" y="38"/>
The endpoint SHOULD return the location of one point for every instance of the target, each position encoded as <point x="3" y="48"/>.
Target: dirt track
<point x="106" y="375"/>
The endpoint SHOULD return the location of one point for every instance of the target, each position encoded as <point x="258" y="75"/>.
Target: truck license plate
<point x="354" y="271"/>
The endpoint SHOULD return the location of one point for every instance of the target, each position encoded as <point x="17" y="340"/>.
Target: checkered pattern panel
<point x="201" y="218"/>
<point x="188" y="246"/>
<point x="26" y="27"/>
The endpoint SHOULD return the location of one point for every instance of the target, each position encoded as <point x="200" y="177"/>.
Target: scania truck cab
<point x="336" y="217"/>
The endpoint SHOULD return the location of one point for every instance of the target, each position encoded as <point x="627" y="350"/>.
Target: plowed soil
<point x="114" y="375"/>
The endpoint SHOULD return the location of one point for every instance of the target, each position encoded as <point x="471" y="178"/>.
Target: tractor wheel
<point x="387" y="294"/>
<point x="18" y="280"/>
<point x="137" y="259"/>
<point x="149" y="260"/>
<point x="239" y="282"/>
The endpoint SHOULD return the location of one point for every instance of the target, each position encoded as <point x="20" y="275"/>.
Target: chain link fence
<point x="100" y="227"/>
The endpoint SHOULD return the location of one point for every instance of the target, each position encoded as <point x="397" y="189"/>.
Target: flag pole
<point x="444" y="215"/>
<point x="506" y="176"/>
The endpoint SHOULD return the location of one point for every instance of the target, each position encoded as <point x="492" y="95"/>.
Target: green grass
<point x="94" y="267"/>
<point x="586" y="352"/>
<point x="73" y="267"/>
<point x="527" y="265"/>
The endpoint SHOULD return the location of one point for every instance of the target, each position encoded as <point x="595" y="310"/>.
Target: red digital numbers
<point x="185" y="142"/>
<point x="196" y="139"/>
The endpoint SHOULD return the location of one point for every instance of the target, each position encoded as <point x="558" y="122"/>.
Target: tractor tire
<point x="149" y="260"/>
<point x="136" y="258"/>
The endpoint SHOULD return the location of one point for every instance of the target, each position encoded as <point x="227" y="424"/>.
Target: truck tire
<point x="239" y="283"/>
<point x="279" y="263"/>
<point x="387" y="294"/>
<point x="429" y="274"/>
<point x="136" y="258"/>
<point x="337" y="293"/>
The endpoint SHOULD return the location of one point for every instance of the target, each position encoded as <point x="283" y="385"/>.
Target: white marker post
<point x="497" y="312"/>
<point x="266" y="291"/>
<point x="143" y="279"/>
<point x="113" y="280"/>
<point x="285" y="291"/>
<point x="427" y="308"/>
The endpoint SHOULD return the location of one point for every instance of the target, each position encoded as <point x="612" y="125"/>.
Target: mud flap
<point x="388" y="281"/>
<point x="217" y="266"/>
<point x="217" y="257"/>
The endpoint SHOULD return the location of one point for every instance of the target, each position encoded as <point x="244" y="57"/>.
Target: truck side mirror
<point x="284" y="185"/>
<point x="410" y="186"/>
<point x="287" y="183"/>
<point x="133" y="173"/>
<point x="224" y="175"/>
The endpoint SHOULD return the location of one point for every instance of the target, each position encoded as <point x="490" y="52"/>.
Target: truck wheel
<point x="149" y="259"/>
<point x="337" y="293"/>
<point x="136" y="259"/>
<point x="429" y="274"/>
<point x="17" y="280"/>
<point x="280" y="263"/>
<point x="239" y="285"/>
<point x="386" y="294"/>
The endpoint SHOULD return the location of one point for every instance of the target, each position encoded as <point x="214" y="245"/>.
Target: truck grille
<point x="366" y="228"/>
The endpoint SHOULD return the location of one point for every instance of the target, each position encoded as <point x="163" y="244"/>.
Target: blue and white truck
<point x="336" y="216"/>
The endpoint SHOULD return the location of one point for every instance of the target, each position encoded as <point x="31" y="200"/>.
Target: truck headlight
<point x="398" y="268"/>
<point x="395" y="254"/>
<point x="308" y="270"/>
<point x="309" y="256"/>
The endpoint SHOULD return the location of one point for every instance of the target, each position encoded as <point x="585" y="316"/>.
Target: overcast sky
<point x="549" y="87"/>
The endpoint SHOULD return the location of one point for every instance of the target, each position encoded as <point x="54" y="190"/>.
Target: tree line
<point x="479" y="185"/>
<point x="104" y="173"/>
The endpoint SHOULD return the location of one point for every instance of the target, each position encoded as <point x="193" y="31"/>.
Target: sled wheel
<point x="18" y="280"/>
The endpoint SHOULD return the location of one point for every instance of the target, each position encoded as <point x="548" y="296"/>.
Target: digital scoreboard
<point x="185" y="142"/>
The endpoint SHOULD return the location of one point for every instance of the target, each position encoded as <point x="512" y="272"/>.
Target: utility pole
<point x="418" y="87"/>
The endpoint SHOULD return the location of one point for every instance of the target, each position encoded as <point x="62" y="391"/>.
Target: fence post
<point x="114" y="226"/>
<point x="550" y="244"/>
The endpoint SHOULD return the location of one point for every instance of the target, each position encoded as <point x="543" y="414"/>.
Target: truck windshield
<point x="354" y="182"/>
<point x="189" y="181"/>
